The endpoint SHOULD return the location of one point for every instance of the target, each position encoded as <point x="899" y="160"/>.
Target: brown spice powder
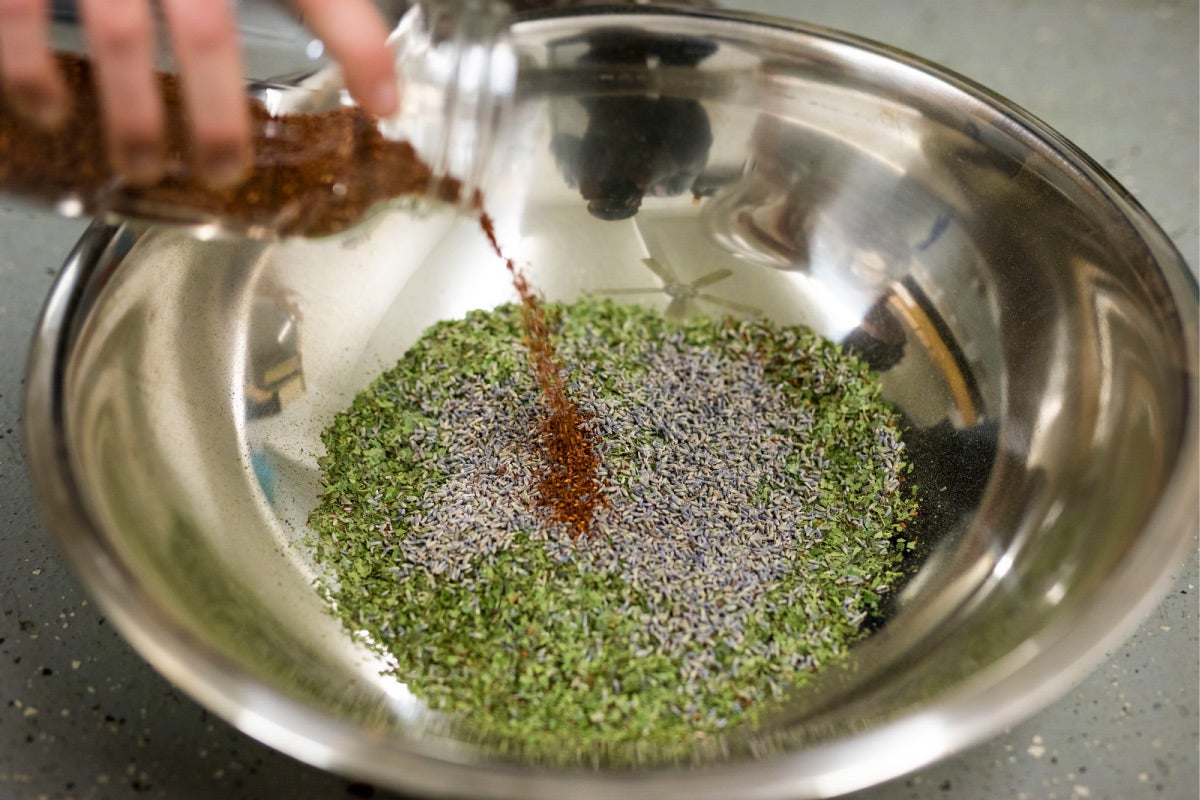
<point x="569" y="488"/>
<point x="313" y="174"/>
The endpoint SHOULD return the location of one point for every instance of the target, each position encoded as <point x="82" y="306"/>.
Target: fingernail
<point x="385" y="98"/>
<point x="224" y="169"/>
<point x="140" y="163"/>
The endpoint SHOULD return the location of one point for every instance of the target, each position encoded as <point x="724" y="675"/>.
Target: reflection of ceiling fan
<point x="684" y="294"/>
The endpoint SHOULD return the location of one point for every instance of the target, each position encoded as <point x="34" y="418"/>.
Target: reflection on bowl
<point x="1035" y="328"/>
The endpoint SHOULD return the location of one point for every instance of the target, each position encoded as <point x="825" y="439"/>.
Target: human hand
<point x="120" y="37"/>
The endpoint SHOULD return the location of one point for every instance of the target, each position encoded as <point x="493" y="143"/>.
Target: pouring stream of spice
<point x="313" y="174"/>
<point x="569" y="489"/>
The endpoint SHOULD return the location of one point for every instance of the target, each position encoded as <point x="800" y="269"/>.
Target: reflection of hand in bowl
<point x="636" y="144"/>
<point x="1042" y="344"/>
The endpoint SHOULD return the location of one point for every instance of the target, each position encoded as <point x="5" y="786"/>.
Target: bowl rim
<point x="968" y="714"/>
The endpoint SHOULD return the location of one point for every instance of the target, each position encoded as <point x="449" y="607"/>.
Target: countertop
<point x="82" y="716"/>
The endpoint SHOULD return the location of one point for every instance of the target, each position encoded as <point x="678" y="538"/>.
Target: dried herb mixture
<point x="753" y="518"/>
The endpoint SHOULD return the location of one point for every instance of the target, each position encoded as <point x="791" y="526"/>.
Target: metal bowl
<point x="1035" y="327"/>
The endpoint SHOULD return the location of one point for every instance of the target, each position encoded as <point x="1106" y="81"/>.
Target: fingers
<point x="120" y="35"/>
<point x="29" y="75"/>
<point x="204" y="38"/>
<point x="355" y="34"/>
<point x="121" y="39"/>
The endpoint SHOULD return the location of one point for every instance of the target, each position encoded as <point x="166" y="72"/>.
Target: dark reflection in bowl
<point x="635" y="145"/>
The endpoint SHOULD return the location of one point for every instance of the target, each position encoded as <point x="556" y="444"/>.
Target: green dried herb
<point x="753" y="521"/>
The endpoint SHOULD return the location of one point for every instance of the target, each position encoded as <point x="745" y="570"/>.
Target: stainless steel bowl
<point x="1037" y="329"/>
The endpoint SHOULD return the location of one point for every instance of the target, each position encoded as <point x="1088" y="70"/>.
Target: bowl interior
<point x="1033" y="327"/>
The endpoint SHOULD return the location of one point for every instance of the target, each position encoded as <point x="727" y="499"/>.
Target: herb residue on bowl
<point x="753" y="516"/>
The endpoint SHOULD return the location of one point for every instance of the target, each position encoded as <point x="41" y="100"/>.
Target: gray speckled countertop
<point x="82" y="716"/>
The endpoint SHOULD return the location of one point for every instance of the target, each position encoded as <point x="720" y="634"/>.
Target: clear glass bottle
<point x="459" y="74"/>
<point x="320" y="163"/>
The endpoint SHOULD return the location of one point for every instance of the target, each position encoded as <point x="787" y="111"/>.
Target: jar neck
<point x="458" y="73"/>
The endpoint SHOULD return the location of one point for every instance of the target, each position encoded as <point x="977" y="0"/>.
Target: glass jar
<point x="320" y="163"/>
